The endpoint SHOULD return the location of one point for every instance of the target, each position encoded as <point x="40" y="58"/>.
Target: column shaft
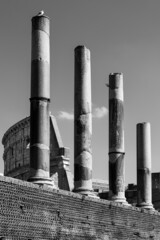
<point x="144" y="178"/>
<point x="116" y="138"/>
<point x="39" y="102"/>
<point x="82" y="122"/>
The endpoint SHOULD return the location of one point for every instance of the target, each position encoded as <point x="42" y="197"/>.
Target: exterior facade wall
<point x="16" y="149"/>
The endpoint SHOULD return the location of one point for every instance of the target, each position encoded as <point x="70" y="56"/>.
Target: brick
<point x="28" y="211"/>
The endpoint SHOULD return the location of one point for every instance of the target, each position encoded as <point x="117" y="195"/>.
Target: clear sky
<point x="123" y="36"/>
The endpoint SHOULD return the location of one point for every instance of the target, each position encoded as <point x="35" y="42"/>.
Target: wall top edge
<point x="20" y="183"/>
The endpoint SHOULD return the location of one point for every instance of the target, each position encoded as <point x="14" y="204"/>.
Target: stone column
<point x="82" y="122"/>
<point x="116" y="139"/>
<point x="39" y="102"/>
<point x="144" y="178"/>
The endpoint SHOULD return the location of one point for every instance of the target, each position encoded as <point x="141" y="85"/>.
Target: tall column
<point x="116" y="139"/>
<point x="82" y="122"/>
<point x="144" y="178"/>
<point x="39" y="102"/>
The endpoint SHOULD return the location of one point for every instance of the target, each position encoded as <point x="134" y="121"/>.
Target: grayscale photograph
<point x="80" y="120"/>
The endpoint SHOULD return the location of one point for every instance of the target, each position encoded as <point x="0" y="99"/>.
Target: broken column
<point x="39" y="102"/>
<point x="82" y="122"/>
<point x="116" y="139"/>
<point x="144" y="178"/>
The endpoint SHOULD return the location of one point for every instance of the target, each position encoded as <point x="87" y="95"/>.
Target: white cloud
<point x="65" y="115"/>
<point x="100" y="112"/>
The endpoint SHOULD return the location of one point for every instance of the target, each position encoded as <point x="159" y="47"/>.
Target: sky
<point x="123" y="36"/>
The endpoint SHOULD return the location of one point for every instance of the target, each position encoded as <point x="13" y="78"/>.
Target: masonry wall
<point x="28" y="211"/>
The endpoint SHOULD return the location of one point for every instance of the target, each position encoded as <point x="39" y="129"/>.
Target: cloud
<point x="65" y="115"/>
<point x="100" y="112"/>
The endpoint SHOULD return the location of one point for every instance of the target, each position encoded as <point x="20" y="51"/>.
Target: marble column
<point x="39" y="102"/>
<point x="144" y="178"/>
<point x="116" y="139"/>
<point x="82" y="122"/>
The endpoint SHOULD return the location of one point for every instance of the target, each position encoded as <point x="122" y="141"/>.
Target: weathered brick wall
<point x="28" y="211"/>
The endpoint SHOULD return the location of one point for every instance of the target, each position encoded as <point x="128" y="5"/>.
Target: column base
<point x="121" y="201"/>
<point x="148" y="206"/>
<point x="42" y="181"/>
<point x="89" y="193"/>
<point x="119" y="198"/>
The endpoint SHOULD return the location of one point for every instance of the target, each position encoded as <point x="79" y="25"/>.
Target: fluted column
<point x="39" y="101"/>
<point x="116" y="139"/>
<point x="144" y="178"/>
<point x="82" y="122"/>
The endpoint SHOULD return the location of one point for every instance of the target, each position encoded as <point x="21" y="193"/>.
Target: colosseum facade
<point x="16" y="158"/>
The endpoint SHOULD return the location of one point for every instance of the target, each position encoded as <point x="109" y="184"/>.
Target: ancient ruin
<point x="48" y="206"/>
<point x="116" y="138"/>
<point x="144" y="183"/>
<point x="82" y="122"/>
<point x="40" y="98"/>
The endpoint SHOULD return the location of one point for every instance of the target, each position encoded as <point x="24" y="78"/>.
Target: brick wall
<point x="28" y="211"/>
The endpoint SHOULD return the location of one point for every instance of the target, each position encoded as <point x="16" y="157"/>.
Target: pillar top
<point x="116" y="81"/>
<point x="115" y="74"/>
<point x="81" y="47"/>
<point x="143" y="123"/>
<point x="81" y="53"/>
<point x="41" y="22"/>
